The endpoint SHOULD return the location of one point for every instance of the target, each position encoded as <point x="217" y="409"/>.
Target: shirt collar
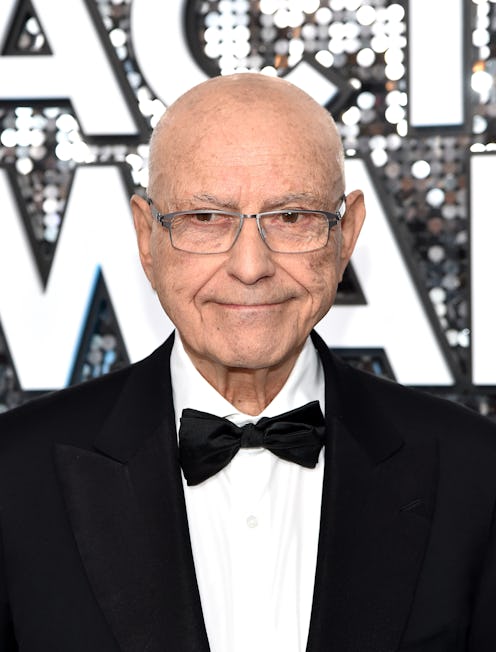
<point x="190" y="389"/>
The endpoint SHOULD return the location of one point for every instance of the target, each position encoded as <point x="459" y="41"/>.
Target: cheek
<point x="177" y="279"/>
<point x="168" y="278"/>
<point x="323" y="279"/>
<point x="175" y="287"/>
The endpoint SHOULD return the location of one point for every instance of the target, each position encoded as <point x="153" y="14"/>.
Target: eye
<point x="290" y="217"/>
<point x="206" y="217"/>
<point x="296" y="221"/>
<point x="296" y="217"/>
<point x="203" y="221"/>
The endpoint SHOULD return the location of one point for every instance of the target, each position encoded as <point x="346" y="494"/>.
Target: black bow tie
<point x="208" y="443"/>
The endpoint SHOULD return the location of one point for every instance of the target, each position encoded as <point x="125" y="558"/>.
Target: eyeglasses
<point x="288" y="231"/>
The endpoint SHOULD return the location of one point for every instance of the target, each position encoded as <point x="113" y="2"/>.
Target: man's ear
<point x="351" y="225"/>
<point x="143" y="222"/>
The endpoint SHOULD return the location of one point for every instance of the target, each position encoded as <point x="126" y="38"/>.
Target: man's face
<point x="249" y="307"/>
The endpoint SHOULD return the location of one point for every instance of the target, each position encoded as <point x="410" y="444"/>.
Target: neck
<point x="249" y="390"/>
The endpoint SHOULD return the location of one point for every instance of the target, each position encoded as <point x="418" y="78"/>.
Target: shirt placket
<point x="251" y="551"/>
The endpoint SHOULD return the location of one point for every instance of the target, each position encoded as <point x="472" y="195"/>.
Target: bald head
<point x="238" y="107"/>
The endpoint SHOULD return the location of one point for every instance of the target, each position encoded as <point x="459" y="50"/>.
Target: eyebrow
<point x="275" y="202"/>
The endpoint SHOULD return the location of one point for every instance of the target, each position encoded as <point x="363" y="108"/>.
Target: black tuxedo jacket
<point x="95" y="553"/>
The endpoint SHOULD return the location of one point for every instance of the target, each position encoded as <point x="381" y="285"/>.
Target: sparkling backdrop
<point x="422" y="179"/>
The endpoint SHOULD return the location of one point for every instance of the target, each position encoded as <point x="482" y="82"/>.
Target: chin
<point x="260" y="356"/>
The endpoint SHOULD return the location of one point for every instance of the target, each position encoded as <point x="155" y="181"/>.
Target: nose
<point x="250" y="260"/>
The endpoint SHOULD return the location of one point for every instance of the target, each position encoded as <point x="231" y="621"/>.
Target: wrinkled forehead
<point x="244" y="127"/>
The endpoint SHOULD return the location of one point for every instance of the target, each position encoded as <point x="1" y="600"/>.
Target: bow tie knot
<point x="208" y="443"/>
<point x="251" y="436"/>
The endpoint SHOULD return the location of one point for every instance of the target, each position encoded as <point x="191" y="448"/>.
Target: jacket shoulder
<point x="414" y="412"/>
<point x="86" y="405"/>
<point x="78" y="412"/>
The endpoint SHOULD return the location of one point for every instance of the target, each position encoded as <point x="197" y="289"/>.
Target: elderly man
<point x="269" y="527"/>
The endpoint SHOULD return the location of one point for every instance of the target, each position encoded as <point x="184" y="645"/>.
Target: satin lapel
<point x="127" y="511"/>
<point x="377" y="503"/>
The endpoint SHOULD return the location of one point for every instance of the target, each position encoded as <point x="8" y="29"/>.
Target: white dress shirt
<point x="254" y="526"/>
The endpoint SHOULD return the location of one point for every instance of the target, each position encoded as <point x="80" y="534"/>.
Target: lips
<point x="251" y="303"/>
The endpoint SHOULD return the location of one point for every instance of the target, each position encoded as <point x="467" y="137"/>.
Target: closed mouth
<point x="265" y="304"/>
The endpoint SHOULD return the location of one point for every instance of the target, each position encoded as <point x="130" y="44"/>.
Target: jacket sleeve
<point x="482" y="636"/>
<point x="7" y="639"/>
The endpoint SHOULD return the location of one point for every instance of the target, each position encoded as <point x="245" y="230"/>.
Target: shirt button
<point x="252" y="521"/>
